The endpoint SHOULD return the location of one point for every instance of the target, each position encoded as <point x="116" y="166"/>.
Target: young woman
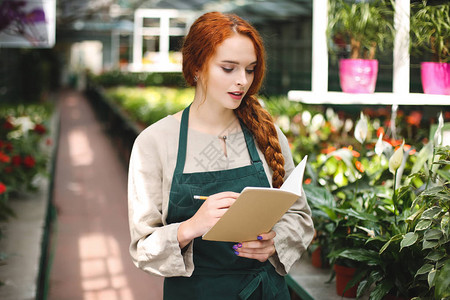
<point x="223" y="142"/>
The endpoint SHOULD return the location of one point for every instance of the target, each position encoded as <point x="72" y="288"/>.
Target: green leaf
<point x="435" y="255"/>
<point x="433" y="234"/>
<point x="422" y="157"/>
<point x="393" y="239"/>
<point x="409" y="239"/>
<point x="424" y="269"/>
<point x="431" y="277"/>
<point x="431" y="212"/>
<point x="369" y="257"/>
<point x="432" y="191"/>
<point x="423" y="224"/>
<point x="442" y="283"/>
<point x="412" y="217"/>
<point x="429" y="245"/>
<point x="381" y="289"/>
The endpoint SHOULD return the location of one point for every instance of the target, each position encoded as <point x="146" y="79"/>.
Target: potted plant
<point x="404" y="250"/>
<point x="359" y="27"/>
<point x="430" y="34"/>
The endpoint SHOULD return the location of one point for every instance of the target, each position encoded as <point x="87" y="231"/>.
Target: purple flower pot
<point x="358" y="75"/>
<point x="435" y="78"/>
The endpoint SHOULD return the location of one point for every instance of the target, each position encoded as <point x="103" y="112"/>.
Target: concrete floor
<point x="91" y="260"/>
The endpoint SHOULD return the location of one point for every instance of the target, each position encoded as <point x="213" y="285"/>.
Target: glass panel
<point x="150" y="49"/>
<point x="151" y="22"/>
<point x="175" y="43"/>
<point x="177" y="23"/>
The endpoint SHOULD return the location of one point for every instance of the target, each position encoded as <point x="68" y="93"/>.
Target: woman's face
<point x="230" y="72"/>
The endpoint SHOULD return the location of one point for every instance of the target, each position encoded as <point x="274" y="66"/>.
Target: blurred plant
<point x="363" y="26"/>
<point x="22" y="145"/>
<point x="430" y="30"/>
<point x="148" y="105"/>
<point x="118" y="78"/>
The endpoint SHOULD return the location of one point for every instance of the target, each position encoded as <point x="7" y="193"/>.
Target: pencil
<point x="200" y="197"/>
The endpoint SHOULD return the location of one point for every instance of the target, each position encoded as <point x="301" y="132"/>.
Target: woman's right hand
<point x="206" y="217"/>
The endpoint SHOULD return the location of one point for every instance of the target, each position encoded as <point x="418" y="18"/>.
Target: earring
<point x="195" y="78"/>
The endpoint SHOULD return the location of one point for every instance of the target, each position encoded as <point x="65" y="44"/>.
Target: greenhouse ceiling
<point x="70" y="12"/>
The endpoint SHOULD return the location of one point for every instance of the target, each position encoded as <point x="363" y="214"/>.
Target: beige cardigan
<point x="154" y="246"/>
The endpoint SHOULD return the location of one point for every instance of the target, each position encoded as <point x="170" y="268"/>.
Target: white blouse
<point x="154" y="246"/>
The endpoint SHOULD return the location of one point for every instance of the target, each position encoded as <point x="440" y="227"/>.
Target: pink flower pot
<point x="358" y="75"/>
<point x="435" y="78"/>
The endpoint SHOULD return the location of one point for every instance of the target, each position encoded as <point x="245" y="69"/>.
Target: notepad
<point x="257" y="210"/>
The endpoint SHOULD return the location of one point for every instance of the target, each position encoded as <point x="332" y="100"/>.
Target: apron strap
<point x="182" y="142"/>
<point x="250" y="143"/>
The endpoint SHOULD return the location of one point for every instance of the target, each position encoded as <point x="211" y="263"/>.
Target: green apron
<point x="219" y="273"/>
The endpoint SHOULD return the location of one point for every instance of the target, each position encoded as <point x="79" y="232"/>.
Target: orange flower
<point x="414" y="118"/>
<point x="308" y="181"/>
<point x="380" y="130"/>
<point x="354" y="153"/>
<point x="407" y="147"/>
<point x="359" y="166"/>
<point x="328" y="150"/>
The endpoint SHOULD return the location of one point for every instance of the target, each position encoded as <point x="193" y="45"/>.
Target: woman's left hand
<point x="260" y="249"/>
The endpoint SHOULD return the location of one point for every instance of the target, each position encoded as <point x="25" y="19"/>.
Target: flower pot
<point x="358" y="75"/>
<point x="343" y="276"/>
<point x="435" y="78"/>
<point x="316" y="257"/>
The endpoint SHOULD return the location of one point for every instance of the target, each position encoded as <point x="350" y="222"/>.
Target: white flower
<point x="348" y="125"/>
<point x="25" y="123"/>
<point x="306" y="118"/>
<point x="284" y="123"/>
<point x="396" y="159"/>
<point x="361" y="129"/>
<point x="329" y="113"/>
<point x="379" y="145"/>
<point x="438" y="133"/>
<point x="317" y="122"/>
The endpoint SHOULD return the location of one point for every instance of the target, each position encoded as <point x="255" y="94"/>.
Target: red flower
<point x="4" y="158"/>
<point x="8" y="125"/>
<point x="8" y="146"/>
<point x="40" y="129"/>
<point x="308" y="181"/>
<point x="29" y="161"/>
<point x="16" y="160"/>
<point x="2" y="188"/>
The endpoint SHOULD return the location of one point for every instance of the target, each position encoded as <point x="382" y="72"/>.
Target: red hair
<point x="205" y="35"/>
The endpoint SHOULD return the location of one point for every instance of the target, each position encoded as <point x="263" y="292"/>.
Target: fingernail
<point x="235" y="247"/>
<point x="239" y="245"/>
<point x="259" y="237"/>
<point x="235" y="252"/>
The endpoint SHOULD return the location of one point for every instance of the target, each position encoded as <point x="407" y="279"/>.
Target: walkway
<point x="91" y="260"/>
